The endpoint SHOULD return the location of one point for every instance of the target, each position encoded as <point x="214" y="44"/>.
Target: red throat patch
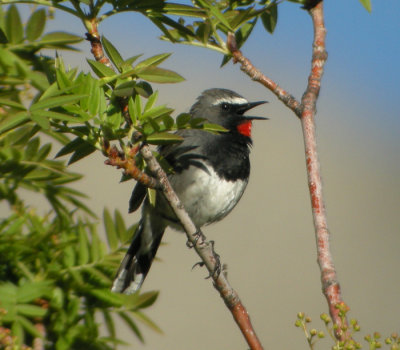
<point x="245" y="128"/>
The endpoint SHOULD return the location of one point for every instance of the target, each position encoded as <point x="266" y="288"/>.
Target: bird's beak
<point x="244" y="108"/>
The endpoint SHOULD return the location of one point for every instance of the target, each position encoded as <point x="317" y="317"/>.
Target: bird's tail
<point x="139" y="257"/>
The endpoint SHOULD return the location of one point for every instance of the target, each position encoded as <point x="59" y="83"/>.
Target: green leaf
<point x="109" y="323"/>
<point x="83" y="249"/>
<point x="11" y="103"/>
<point x="168" y="122"/>
<point x="182" y="120"/>
<point x="13" y="25"/>
<point x="13" y="120"/>
<point x="59" y="38"/>
<point x="163" y="138"/>
<point x="159" y="75"/>
<point x="269" y="18"/>
<point x="29" y="327"/>
<point x="70" y="147"/>
<point x="120" y="225"/>
<point x="108" y="297"/>
<point x="215" y="11"/>
<point x="366" y="4"/>
<point x="151" y="101"/>
<point x="30" y="310"/>
<point x="132" y="112"/>
<point x="58" y="101"/>
<point x="152" y="61"/>
<point x="111" y="232"/>
<point x="112" y="53"/>
<point x="35" y="25"/>
<point x="151" y="195"/>
<point x="144" y="319"/>
<point x="144" y="89"/>
<point x="100" y="69"/>
<point x="125" y="89"/>
<point x="214" y="127"/>
<point x="40" y="120"/>
<point x="81" y="152"/>
<point x="145" y="300"/>
<point x="131" y="324"/>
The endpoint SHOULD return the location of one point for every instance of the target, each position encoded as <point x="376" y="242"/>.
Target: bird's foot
<point x="196" y="236"/>
<point x="218" y="267"/>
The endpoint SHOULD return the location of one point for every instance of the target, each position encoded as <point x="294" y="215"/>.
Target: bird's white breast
<point x="206" y="196"/>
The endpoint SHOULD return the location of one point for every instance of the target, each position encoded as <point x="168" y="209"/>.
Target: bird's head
<point x="226" y="108"/>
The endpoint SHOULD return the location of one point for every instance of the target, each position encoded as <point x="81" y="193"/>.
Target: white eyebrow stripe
<point x="232" y="100"/>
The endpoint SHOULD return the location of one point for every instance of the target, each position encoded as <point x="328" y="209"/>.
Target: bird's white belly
<point x="206" y="197"/>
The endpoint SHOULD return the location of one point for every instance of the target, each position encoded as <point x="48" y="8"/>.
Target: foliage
<point x="313" y="335"/>
<point x="55" y="273"/>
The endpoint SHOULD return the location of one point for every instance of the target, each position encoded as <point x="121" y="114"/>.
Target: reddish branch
<point x="206" y="252"/>
<point x="306" y="112"/>
<point x="330" y="284"/>
<point x="93" y="37"/>
<point x="247" y="67"/>
<point x="127" y="162"/>
<point x="160" y="181"/>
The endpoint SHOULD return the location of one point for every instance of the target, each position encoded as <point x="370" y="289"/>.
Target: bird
<point x="210" y="174"/>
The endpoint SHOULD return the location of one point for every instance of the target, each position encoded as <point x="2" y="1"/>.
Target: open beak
<point x="245" y="107"/>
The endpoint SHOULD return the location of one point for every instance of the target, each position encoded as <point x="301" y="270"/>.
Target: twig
<point x="160" y="181"/>
<point x="255" y="74"/>
<point x="306" y="111"/>
<point x="206" y="252"/>
<point x="330" y="284"/>
<point x="127" y="162"/>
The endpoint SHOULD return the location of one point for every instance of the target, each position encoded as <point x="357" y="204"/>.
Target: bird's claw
<point x="196" y="236"/>
<point x="218" y="268"/>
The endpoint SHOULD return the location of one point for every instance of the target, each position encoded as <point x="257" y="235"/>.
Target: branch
<point x="306" y="111"/>
<point x="205" y="250"/>
<point x="330" y="284"/>
<point x="160" y="181"/>
<point x="127" y="162"/>
<point x="256" y="75"/>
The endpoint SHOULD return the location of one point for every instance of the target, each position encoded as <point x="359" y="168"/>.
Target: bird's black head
<point x="226" y="108"/>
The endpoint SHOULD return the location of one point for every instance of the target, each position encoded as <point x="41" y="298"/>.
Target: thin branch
<point x="197" y="240"/>
<point x="127" y="162"/>
<point x="255" y="74"/>
<point x="330" y="284"/>
<point x="206" y="252"/>
<point x="306" y="111"/>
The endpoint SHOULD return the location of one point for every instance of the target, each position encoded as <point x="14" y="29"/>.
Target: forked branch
<point x="306" y="110"/>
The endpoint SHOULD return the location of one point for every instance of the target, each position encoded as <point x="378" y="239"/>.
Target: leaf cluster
<point x="55" y="270"/>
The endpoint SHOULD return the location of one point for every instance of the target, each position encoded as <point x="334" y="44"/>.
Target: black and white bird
<point x="210" y="174"/>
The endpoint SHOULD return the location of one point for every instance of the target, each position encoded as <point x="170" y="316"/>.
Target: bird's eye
<point x="225" y="106"/>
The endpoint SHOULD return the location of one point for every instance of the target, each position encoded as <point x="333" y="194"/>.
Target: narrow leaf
<point x="159" y="75"/>
<point x="100" y="69"/>
<point x="58" y="101"/>
<point x="57" y="38"/>
<point x="152" y="61"/>
<point x="112" y="53"/>
<point x="269" y="18"/>
<point x="163" y="138"/>
<point x="366" y="4"/>
<point x="111" y="232"/>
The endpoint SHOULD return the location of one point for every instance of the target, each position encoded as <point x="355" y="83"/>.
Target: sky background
<point x="268" y="240"/>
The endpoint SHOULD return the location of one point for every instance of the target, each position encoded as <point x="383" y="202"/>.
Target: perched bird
<point x="210" y="174"/>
